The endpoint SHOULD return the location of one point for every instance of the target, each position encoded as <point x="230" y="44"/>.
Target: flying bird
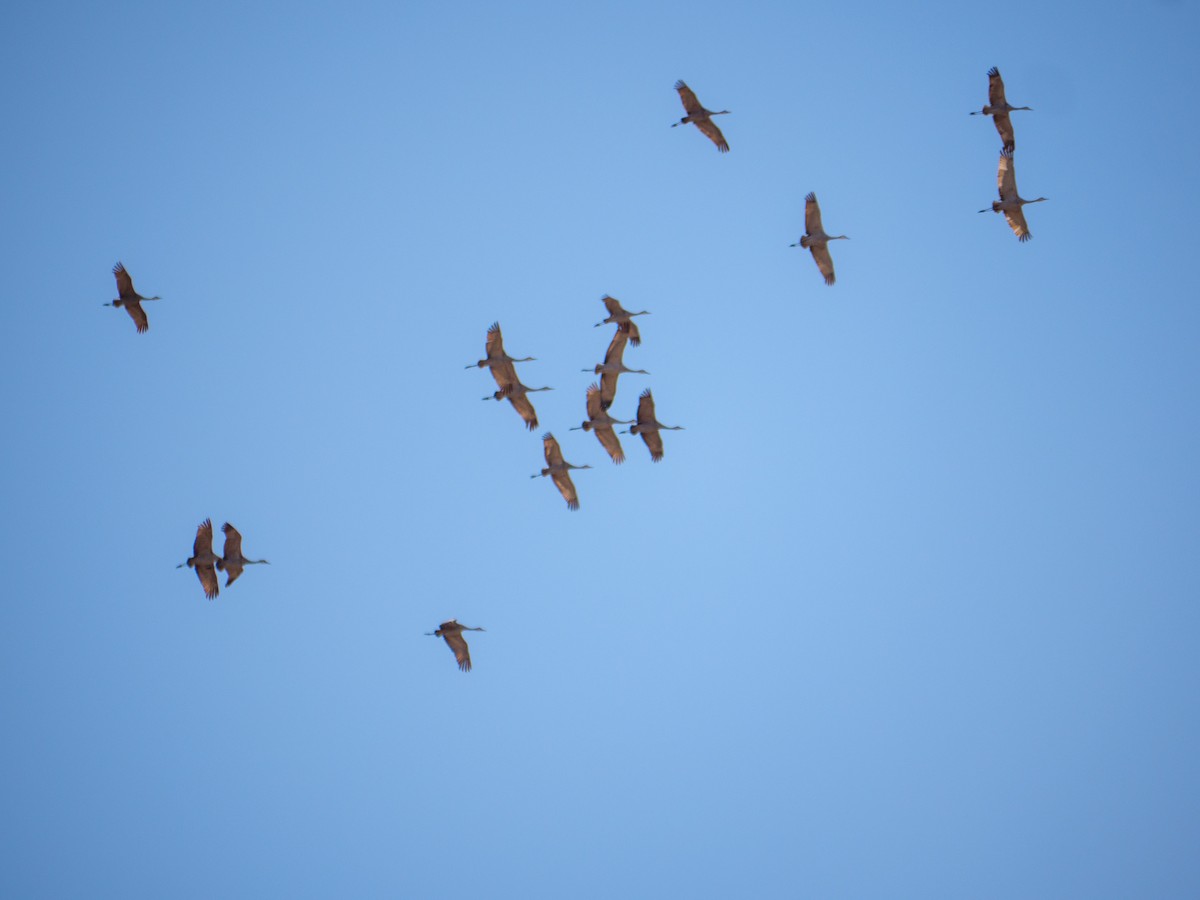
<point x="130" y="299"/>
<point x="602" y="423"/>
<point x="614" y="364"/>
<point x="232" y="562"/>
<point x="451" y="633"/>
<point x="621" y="316"/>
<point x="559" y="470"/>
<point x="1010" y="202"/>
<point x="203" y="560"/>
<point x="496" y="356"/>
<point x="700" y="117"/>
<point x="816" y="240"/>
<point x="649" y="427"/>
<point x="998" y="108"/>
<point x="515" y="392"/>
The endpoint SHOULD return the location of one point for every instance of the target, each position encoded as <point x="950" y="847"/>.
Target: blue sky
<point x="909" y="609"/>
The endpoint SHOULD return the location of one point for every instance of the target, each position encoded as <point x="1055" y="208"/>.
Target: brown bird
<point x="496" y="356"/>
<point x="559" y="470"/>
<point x="998" y="108"/>
<point x="1010" y="202"/>
<point x="515" y="392"/>
<point x="621" y="316"/>
<point x="816" y="240"/>
<point x="130" y="299"/>
<point x="614" y="364"/>
<point x="203" y="560"/>
<point x="649" y="427"/>
<point x="700" y="117"/>
<point x="451" y="633"/>
<point x="232" y="562"/>
<point x="602" y="423"/>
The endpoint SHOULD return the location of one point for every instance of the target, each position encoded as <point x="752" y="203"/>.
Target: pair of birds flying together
<point x="207" y="564"/>
<point x="1010" y="201"/>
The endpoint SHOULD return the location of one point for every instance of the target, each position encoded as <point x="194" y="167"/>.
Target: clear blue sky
<point x="910" y="608"/>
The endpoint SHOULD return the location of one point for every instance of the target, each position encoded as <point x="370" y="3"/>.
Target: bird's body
<point x="998" y="108"/>
<point x="600" y="422"/>
<point x="816" y="240"/>
<point x="232" y="563"/>
<point x="700" y="117"/>
<point x="614" y="365"/>
<point x="451" y="633"/>
<point x="496" y="357"/>
<point x="130" y="299"/>
<point x="516" y="393"/>
<point x="559" y="470"/>
<point x="1010" y="201"/>
<point x="203" y="560"/>
<point x="649" y="427"/>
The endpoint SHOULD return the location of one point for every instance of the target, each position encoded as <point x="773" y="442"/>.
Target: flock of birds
<point x="600" y="396"/>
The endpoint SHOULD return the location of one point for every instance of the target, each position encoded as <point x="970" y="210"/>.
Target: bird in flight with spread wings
<point x="816" y="240"/>
<point x="130" y="299"/>
<point x="700" y="117"/>
<point x="451" y="633"/>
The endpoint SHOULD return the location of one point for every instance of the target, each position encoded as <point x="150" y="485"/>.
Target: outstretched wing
<point x="134" y="308"/>
<point x="690" y="104"/>
<point x="824" y="261"/>
<point x="566" y="487"/>
<point x="595" y="402"/>
<point x="202" y="545"/>
<point x="1004" y="127"/>
<point x="495" y="342"/>
<point x="635" y="336"/>
<point x="505" y="374"/>
<point x="124" y="283"/>
<point x="613" y="305"/>
<point x="645" y="414"/>
<point x="995" y="88"/>
<point x="554" y="455"/>
<point x="208" y="579"/>
<point x="812" y="215"/>
<point x="616" y="347"/>
<point x="1006" y="176"/>
<point x="231" y="556"/>
<point x="1016" y="221"/>
<point x="654" y="441"/>
<point x="525" y="410"/>
<point x="458" y="644"/>
<point x="610" y="442"/>
<point x="608" y="388"/>
<point x="709" y="127"/>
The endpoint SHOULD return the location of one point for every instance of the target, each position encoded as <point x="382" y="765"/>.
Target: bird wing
<point x="595" y="401"/>
<point x="231" y="556"/>
<point x="525" y="410"/>
<point x="208" y="580"/>
<point x="1016" y="221"/>
<point x="610" y="442"/>
<point x="505" y="374"/>
<point x="654" y="441"/>
<point x="615" y="353"/>
<point x="812" y="215"/>
<point x="1004" y="127"/>
<point x="124" y="283"/>
<point x="134" y="308"/>
<point x="495" y="342"/>
<point x="995" y="88"/>
<point x="202" y="545"/>
<point x="645" y="415"/>
<point x="709" y="127"/>
<point x="690" y="104"/>
<point x="608" y="388"/>
<point x="824" y="261"/>
<point x="1006" y="176"/>
<point x="635" y="336"/>
<point x="613" y="305"/>
<point x="554" y="455"/>
<point x="566" y="487"/>
<point x="456" y="642"/>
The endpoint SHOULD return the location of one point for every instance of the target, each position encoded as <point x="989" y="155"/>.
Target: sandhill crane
<point x="232" y="562"/>
<point x="559" y="470"/>
<point x="613" y="365"/>
<point x="1010" y="202"/>
<point x="203" y="560"/>
<point x="602" y="424"/>
<point x="700" y="117"/>
<point x="998" y="108"/>
<point x="495" y="352"/>
<point x="451" y="633"/>
<point x="649" y="427"/>
<point x="621" y="316"/>
<point x="815" y="238"/>
<point x="512" y="389"/>
<point x="130" y="299"/>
